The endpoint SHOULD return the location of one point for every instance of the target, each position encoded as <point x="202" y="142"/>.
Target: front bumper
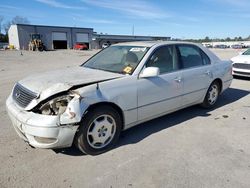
<point x="41" y="131"/>
<point x="241" y="72"/>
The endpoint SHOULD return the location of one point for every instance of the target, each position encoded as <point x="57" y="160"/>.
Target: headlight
<point x="56" y="106"/>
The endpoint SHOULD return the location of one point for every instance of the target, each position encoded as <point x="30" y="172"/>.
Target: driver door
<point x="161" y="94"/>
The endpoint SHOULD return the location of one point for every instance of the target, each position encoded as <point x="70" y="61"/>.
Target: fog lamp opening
<point x="44" y="140"/>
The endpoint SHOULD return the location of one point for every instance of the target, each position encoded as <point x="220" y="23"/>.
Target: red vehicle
<point x="80" y="46"/>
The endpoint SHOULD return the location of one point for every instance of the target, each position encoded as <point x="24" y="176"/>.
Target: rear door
<point x="161" y="94"/>
<point x="196" y="73"/>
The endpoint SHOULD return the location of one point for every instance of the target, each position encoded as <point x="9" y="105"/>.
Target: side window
<point x="165" y="58"/>
<point x="192" y="56"/>
<point x="205" y="58"/>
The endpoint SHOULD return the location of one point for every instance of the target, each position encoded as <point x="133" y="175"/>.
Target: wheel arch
<point x="204" y="102"/>
<point x="219" y="81"/>
<point x="113" y="105"/>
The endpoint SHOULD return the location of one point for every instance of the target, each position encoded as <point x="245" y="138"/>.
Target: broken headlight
<point x="56" y="106"/>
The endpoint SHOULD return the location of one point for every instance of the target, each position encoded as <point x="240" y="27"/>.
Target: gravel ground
<point x="189" y="148"/>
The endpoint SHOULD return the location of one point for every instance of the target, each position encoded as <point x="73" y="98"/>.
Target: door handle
<point x="178" y="79"/>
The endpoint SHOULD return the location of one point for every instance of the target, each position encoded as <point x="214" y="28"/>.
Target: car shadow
<point x="143" y="130"/>
<point x="138" y="133"/>
<point x="72" y="151"/>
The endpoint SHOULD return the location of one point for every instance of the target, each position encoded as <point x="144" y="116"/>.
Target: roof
<point x="107" y="36"/>
<point x="152" y="43"/>
<point x="52" y="26"/>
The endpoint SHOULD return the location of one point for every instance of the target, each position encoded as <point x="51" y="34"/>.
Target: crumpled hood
<point x="241" y="59"/>
<point x="53" y="82"/>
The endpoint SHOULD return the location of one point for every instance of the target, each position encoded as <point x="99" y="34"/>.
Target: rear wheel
<point x="99" y="130"/>
<point x="212" y="95"/>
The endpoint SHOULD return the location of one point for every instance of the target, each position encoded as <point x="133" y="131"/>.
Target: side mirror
<point x="150" y="72"/>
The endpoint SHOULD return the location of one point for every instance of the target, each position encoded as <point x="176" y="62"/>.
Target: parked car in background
<point x="81" y="46"/>
<point x="105" y="45"/>
<point x="4" y="45"/>
<point x="222" y="46"/>
<point x="119" y="87"/>
<point x="237" y="46"/>
<point x="208" y="45"/>
<point x="241" y="64"/>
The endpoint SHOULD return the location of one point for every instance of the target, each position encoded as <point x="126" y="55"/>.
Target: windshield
<point x="36" y="36"/>
<point x="118" y="59"/>
<point x="246" y="52"/>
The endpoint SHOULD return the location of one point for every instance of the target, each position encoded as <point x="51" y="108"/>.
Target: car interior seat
<point x="131" y="59"/>
<point x="164" y="60"/>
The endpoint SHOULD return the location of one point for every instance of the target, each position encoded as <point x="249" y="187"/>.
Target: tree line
<point x="228" y="39"/>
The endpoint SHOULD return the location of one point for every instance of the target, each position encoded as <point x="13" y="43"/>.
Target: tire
<point x="99" y="130"/>
<point x="40" y="48"/>
<point x="211" y="95"/>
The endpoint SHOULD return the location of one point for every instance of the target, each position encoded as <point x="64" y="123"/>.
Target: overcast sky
<point x="175" y="18"/>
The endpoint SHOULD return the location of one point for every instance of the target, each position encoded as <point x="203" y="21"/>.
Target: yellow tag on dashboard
<point x="128" y="69"/>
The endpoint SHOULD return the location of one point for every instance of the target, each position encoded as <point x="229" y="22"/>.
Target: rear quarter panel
<point x="223" y="70"/>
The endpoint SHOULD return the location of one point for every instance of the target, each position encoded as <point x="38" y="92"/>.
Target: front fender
<point x="77" y="107"/>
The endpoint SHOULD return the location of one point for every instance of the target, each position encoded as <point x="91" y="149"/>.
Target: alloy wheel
<point x="101" y="131"/>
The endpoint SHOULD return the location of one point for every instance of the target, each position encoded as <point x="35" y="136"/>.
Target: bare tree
<point x="19" y="20"/>
<point x="1" y="20"/>
<point x="15" y="20"/>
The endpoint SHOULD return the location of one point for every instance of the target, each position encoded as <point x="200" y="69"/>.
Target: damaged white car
<point x="119" y="87"/>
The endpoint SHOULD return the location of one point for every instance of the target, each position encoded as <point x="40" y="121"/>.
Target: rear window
<point x="192" y="56"/>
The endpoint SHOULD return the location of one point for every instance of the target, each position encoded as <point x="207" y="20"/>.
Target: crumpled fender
<point x="80" y="103"/>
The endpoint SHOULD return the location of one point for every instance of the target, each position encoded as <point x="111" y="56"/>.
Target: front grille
<point x="241" y="66"/>
<point x="23" y="96"/>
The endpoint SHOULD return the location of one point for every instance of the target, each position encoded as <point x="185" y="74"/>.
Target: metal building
<point x="100" y="39"/>
<point x="57" y="37"/>
<point x="53" y="37"/>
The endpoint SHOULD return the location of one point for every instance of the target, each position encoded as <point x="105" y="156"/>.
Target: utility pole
<point x="133" y="30"/>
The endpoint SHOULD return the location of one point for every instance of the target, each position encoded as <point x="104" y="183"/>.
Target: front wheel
<point x="99" y="130"/>
<point x="40" y="48"/>
<point x="212" y="95"/>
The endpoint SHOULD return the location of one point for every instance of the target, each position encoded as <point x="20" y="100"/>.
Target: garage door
<point x="59" y="40"/>
<point x="82" y="37"/>
<point x="59" y="36"/>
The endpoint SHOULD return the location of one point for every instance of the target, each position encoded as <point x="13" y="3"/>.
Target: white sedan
<point x="118" y="88"/>
<point x="241" y="64"/>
